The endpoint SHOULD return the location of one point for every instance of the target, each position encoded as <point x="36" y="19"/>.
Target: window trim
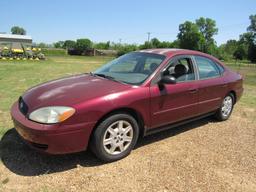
<point x="207" y="58"/>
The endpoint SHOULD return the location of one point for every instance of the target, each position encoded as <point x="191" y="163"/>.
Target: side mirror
<point x="168" y="79"/>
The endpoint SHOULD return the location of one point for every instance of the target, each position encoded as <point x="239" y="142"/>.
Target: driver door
<point x="175" y="102"/>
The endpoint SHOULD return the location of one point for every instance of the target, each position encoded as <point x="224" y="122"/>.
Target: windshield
<point x="132" y="68"/>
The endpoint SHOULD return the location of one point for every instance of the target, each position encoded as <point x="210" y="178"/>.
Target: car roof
<point x="174" y="51"/>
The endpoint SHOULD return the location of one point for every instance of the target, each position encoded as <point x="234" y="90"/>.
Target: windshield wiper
<point x="105" y="76"/>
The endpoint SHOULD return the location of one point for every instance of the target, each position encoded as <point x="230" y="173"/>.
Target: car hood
<point x="70" y="91"/>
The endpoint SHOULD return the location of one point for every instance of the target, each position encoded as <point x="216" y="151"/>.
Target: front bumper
<point x="55" y="138"/>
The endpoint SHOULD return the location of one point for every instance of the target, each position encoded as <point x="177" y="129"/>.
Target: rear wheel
<point x="226" y="108"/>
<point x="115" y="137"/>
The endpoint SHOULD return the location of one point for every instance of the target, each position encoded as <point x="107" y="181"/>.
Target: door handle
<point x="193" y="90"/>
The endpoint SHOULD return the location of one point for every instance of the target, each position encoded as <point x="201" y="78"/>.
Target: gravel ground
<point x="202" y="156"/>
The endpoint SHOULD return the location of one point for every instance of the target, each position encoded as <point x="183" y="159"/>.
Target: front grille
<point x="23" y="106"/>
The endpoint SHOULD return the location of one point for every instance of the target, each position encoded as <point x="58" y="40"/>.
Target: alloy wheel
<point x="118" y="137"/>
<point x="227" y="106"/>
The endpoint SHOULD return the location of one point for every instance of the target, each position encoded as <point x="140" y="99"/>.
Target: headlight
<point x="50" y="115"/>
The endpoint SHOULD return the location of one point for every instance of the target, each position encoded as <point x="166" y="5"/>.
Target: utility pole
<point x="120" y="41"/>
<point x="149" y="33"/>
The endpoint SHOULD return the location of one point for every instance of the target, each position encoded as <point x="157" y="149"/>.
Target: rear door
<point x="174" y="102"/>
<point x="212" y="87"/>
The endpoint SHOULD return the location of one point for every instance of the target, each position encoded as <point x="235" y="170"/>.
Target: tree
<point x="126" y="48"/>
<point x="231" y="46"/>
<point x="252" y="27"/>
<point x="83" y="44"/>
<point x="146" y="45"/>
<point x="42" y="45"/>
<point x="68" y="44"/>
<point x="166" y="44"/>
<point x="208" y="29"/>
<point x="239" y="53"/>
<point x="102" y="45"/>
<point x="18" y="30"/>
<point x="58" y="44"/>
<point x="251" y="53"/>
<point x="252" y="39"/>
<point x="155" y="43"/>
<point x="189" y="36"/>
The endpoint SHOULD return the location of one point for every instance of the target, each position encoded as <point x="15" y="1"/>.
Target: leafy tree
<point x="239" y="53"/>
<point x="83" y="44"/>
<point x="252" y="27"/>
<point x="166" y="44"/>
<point x="42" y="45"/>
<point x="231" y="46"/>
<point x="146" y="45"/>
<point x="68" y="44"/>
<point x="175" y="44"/>
<point x="208" y="29"/>
<point x="251" y="52"/>
<point x="252" y="39"/>
<point x="189" y="36"/>
<point x="18" y="30"/>
<point x="102" y="45"/>
<point x="155" y="43"/>
<point x="58" y="44"/>
<point x="126" y="48"/>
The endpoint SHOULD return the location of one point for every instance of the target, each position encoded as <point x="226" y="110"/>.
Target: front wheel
<point x="226" y="108"/>
<point x="115" y="137"/>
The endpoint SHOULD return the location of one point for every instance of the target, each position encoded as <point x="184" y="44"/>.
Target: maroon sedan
<point x="136" y="94"/>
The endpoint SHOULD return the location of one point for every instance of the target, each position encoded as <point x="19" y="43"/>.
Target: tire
<point x="224" y="112"/>
<point x="110" y="142"/>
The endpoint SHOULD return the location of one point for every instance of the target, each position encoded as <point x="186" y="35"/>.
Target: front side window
<point x="132" y="68"/>
<point x="182" y="69"/>
<point x="206" y="68"/>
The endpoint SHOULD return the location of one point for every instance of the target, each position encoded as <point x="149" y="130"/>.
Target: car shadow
<point x="22" y="160"/>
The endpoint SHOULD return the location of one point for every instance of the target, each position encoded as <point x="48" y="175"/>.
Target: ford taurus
<point x="136" y="94"/>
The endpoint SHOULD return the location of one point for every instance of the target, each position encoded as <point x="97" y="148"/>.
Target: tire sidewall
<point x="97" y="144"/>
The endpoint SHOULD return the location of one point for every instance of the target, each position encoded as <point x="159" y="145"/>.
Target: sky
<point x="118" y="20"/>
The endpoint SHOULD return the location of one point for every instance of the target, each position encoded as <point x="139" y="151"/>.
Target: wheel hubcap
<point x="118" y="137"/>
<point x="227" y="106"/>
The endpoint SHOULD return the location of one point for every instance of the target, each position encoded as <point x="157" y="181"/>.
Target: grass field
<point x="202" y="156"/>
<point x="17" y="76"/>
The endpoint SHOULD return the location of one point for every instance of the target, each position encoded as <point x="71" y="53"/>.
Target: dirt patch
<point x="202" y="156"/>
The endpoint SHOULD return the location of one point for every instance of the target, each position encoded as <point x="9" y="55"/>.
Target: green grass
<point x="17" y="76"/>
<point x="54" y="52"/>
<point x="249" y="74"/>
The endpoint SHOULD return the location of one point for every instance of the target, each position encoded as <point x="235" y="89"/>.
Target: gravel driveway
<point x="202" y="156"/>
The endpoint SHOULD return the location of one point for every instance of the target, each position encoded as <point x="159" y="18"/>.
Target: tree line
<point x="197" y="35"/>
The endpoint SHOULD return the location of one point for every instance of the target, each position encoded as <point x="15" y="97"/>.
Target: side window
<point x="182" y="69"/>
<point x="206" y="68"/>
